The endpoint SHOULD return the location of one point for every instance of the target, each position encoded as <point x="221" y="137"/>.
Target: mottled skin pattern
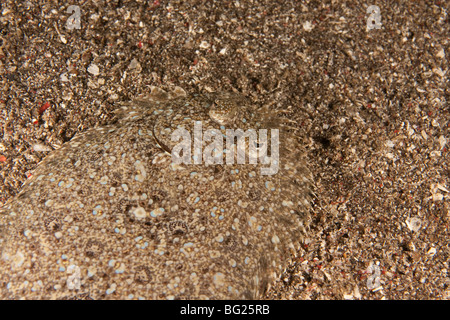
<point x="112" y="203"/>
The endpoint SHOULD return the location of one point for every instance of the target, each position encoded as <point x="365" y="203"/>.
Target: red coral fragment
<point x="44" y="107"/>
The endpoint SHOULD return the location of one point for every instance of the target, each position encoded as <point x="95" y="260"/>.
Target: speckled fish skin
<point x="111" y="203"/>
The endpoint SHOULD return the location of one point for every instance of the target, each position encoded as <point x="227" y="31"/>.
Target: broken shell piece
<point x="414" y="224"/>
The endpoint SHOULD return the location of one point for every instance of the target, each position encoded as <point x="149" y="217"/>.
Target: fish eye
<point x="258" y="144"/>
<point x="223" y="111"/>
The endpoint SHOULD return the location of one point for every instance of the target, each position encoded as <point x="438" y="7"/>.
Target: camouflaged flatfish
<point x="109" y="215"/>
